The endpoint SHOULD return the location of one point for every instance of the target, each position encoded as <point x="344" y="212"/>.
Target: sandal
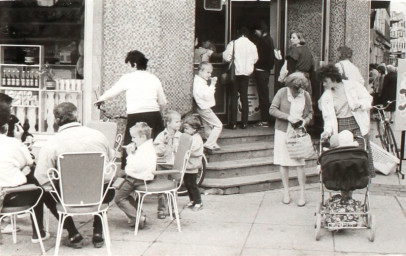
<point x="161" y="215"/>
<point x="98" y="240"/>
<point x="75" y="241"/>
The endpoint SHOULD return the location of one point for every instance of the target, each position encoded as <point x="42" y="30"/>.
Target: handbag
<point x="283" y="72"/>
<point x="299" y="144"/>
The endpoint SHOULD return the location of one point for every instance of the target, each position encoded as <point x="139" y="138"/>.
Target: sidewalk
<point x="243" y="224"/>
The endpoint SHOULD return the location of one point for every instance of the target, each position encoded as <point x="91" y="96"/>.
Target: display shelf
<point x="25" y="106"/>
<point x="36" y="89"/>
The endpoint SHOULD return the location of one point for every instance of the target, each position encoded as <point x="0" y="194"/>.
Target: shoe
<point x="261" y="124"/>
<point x="197" y="207"/>
<point x="244" y="126"/>
<point x="143" y="222"/>
<point x="75" y="241"/>
<point x="97" y="240"/>
<point x="207" y="151"/>
<point x="230" y="126"/>
<point x="8" y="229"/>
<point x="161" y="215"/>
<point x="44" y="236"/>
<point x="189" y="205"/>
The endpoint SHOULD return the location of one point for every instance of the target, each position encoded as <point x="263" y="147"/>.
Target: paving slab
<point x="288" y="237"/>
<point x="265" y="251"/>
<point x="208" y="233"/>
<point x="161" y="248"/>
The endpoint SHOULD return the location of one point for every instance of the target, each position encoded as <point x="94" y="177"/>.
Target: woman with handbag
<point x="292" y="108"/>
<point x="345" y="105"/>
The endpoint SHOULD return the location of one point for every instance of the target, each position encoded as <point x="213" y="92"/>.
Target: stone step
<point x="256" y="182"/>
<point x="238" y="136"/>
<point x="245" y="167"/>
<point x="242" y="151"/>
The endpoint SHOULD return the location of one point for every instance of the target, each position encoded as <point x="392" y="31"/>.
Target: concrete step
<point x="245" y="167"/>
<point x="242" y="151"/>
<point x="251" y="134"/>
<point x="256" y="182"/>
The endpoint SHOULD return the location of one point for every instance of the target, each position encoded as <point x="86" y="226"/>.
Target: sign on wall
<point x="400" y="117"/>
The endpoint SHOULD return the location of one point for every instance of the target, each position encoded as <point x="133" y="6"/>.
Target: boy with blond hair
<point x="141" y="163"/>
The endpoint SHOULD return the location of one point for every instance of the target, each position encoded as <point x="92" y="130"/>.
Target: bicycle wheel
<point x="382" y="135"/>
<point x="200" y="177"/>
<point x="393" y="147"/>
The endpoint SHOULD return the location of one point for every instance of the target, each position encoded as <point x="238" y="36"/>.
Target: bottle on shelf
<point x="31" y="79"/>
<point x="17" y="78"/>
<point x="4" y="79"/>
<point x="36" y="79"/>
<point x="9" y="78"/>
<point x="23" y="79"/>
<point x="13" y="78"/>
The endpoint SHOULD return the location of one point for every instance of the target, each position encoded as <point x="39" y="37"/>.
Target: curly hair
<point x="345" y="52"/>
<point x="297" y="79"/>
<point x="142" y="129"/>
<point x="329" y="71"/>
<point x="138" y="58"/>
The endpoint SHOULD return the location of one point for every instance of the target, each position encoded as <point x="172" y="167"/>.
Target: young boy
<point x="167" y="141"/>
<point x="141" y="162"/>
<point x="166" y="144"/>
<point x="203" y="93"/>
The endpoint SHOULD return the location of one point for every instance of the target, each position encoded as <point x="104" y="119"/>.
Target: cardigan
<point x="280" y="108"/>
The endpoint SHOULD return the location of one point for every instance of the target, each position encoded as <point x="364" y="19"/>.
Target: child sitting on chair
<point x="191" y="126"/>
<point x="141" y="163"/>
<point x="166" y="144"/>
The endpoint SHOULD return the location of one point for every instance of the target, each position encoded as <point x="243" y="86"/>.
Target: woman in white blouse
<point x="144" y="95"/>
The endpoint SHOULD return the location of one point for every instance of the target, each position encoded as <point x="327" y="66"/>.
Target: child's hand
<point x="26" y="170"/>
<point x="130" y="148"/>
<point x="213" y="81"/>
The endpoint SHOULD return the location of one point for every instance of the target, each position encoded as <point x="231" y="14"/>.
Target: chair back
<point x="109" y="129"/>
<point x="81" y="178"/>
<point x="182" y="154"/>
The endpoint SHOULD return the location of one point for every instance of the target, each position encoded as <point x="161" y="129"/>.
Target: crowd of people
<point x="345" y="105"/>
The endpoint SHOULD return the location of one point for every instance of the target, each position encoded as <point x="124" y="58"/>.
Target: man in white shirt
<point x="203" y="94"/>
<point x="243" y="53"/>
<point x="71" y="137"/>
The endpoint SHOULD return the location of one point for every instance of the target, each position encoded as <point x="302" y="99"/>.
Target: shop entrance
<point x="220" y="27"/>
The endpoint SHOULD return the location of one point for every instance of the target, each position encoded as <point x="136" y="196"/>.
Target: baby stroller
<point x="344" y="169"/>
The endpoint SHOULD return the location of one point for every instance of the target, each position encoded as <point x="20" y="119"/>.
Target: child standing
<point x="191" y="126"/>
<point x="141" y="163"/>
<point x="203" y="93"/>
<point x="166" y="144"/>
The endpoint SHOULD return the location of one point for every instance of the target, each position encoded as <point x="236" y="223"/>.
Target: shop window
<point x="41" y="57"/>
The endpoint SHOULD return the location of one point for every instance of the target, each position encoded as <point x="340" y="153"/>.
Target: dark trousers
<point x="153" y="119"/>
<point x="262" y="79"/>
<point x="190" y="183"/>
<point x="240" y="86"/>
<point x="69" y="225"/>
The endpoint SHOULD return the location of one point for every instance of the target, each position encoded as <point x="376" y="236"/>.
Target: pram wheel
<point x="372" y="226"/>
<point x="318" y="227"/>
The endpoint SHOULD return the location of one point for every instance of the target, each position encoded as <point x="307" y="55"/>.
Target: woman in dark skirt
<point x="345" y="105"/>
<point x="144" y="95"/>
<point x="389" y="90"/>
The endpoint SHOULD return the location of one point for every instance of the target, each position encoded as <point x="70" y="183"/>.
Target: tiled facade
<point x="164" y="32"/>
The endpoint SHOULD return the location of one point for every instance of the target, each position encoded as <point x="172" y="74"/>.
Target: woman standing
<point x="389" y="90"/>
<point x="299" y="57"/>
<point x="346" y="68"/>
<point x="291" y="106"/>
<point x="144" y="95"/>
<point x="345" y="105"/>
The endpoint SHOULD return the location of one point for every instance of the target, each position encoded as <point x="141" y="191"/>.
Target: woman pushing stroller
<point x="345" y="105"/>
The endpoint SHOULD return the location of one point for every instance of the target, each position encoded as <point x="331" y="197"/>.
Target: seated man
<point x="15" y="164"/>
<point x="71" y="137"/>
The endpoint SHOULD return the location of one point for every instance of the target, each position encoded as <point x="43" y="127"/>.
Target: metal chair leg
<point x="61" y="220"/>
<point x="34" y="219"/>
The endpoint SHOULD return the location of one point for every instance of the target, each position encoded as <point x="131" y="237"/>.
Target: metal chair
<point x="109" y="129"/>
<point x="164" y="186"/>
<point x="32" y="195"/>
<point x="80" y="177"/>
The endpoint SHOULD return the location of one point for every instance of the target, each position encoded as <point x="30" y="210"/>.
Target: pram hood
<point x="345" y="168"/>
